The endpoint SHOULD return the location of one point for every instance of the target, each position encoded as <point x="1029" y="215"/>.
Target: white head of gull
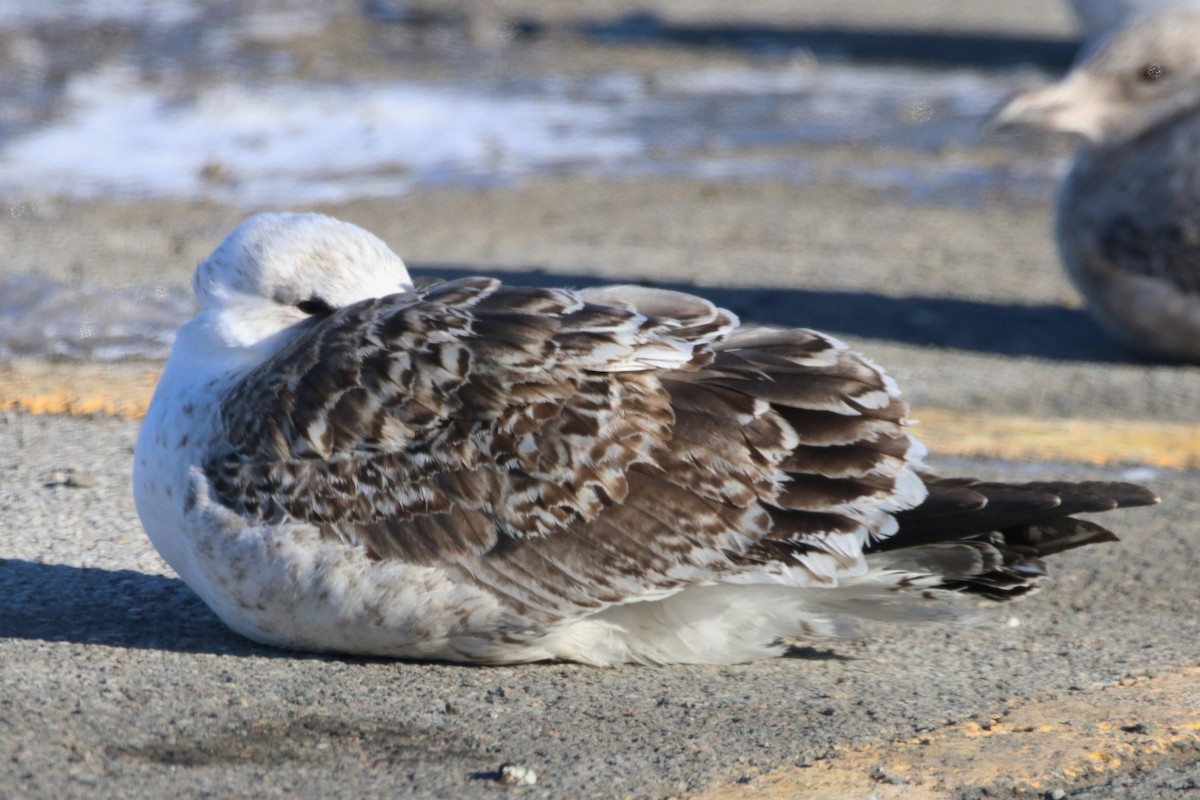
<point x="335" y="460"/>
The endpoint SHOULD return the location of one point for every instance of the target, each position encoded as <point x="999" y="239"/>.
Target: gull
<point x="337" y="459"/>
<point x="1128" y="213"/>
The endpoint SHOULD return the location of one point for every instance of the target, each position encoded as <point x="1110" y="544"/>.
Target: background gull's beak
<point x="1056" y="108"/>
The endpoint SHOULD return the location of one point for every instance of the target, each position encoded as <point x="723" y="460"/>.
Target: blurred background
<point x="803" y="162"/>
<point x="296" y="104"/>
<point x="260" y="104"/>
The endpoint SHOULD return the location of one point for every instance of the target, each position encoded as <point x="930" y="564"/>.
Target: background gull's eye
<point x="1151" y="72"/>
<point x="314" y="305"/>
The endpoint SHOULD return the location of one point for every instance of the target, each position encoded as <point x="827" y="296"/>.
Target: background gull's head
<point x="1133" y="80"/>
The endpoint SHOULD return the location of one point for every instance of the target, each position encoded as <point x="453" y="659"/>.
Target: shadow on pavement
<point x="126" y="608"/>
<point x="119" y="608"/>
<point x="1038" y="331"/>
<point x="941" y="49"/>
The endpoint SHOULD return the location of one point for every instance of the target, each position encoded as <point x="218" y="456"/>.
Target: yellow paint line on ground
<point x="1083" y="739"/>
<point x="117" y="389"/>
<point x="124" y="390"/>
<point x="1170" y="445"/>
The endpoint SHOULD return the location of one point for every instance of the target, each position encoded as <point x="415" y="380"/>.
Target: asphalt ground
<point x="115" y="681"/>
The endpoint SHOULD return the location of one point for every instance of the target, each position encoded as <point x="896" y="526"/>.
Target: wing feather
<point x="571" y="450"/>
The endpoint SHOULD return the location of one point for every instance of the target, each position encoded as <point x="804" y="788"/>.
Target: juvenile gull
<point x="336" y="460"/>
<point x="1128" y="213"/>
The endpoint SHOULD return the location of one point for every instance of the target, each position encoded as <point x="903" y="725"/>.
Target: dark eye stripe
<point x="314" y="306"/>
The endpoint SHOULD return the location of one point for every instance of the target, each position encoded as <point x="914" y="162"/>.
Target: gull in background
<point x="1128" y="213"/>
<point x="338" y="460"/>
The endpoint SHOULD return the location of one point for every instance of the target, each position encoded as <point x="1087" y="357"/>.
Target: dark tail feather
<point x="957" y="508"/>
<point x="1007" y="528"/>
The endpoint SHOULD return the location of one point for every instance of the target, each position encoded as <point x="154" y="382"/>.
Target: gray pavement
<point x="115" y="681"/>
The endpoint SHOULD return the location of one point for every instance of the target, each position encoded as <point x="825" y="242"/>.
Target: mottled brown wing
<point x="571" y="450"/>
<point x="468" y="395"/>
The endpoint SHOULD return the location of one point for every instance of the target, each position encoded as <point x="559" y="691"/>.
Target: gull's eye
<point x="1151" y="72"/>
<point x="314" y="305"/>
